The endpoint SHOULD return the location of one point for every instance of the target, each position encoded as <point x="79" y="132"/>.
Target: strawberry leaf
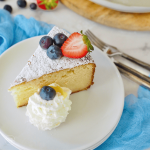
<point x="87" y="42"/>
<point x="49" y="4"/>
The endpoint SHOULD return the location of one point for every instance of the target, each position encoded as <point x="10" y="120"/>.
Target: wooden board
<point x="109" y="17"/>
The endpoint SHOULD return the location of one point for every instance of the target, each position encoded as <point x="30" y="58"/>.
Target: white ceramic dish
<point x="94" y="115"/>
<point x="89" y="148"/>
<point x="125" y="8"/>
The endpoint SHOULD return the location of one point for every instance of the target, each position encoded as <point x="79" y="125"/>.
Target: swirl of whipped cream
<point x="46" y="115"/>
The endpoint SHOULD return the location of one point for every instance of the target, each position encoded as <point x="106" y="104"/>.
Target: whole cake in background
<point x="74" y="69"/>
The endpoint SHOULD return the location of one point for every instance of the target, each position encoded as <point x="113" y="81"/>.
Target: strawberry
<point x="76" y="46"/>
<point x="47" y="4"/>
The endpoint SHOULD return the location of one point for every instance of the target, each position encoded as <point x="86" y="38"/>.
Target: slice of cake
<point x="75" y="74"/>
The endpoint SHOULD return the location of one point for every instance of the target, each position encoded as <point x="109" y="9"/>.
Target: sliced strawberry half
<point x="47" y="4"/>
<point x="76" y="46"/>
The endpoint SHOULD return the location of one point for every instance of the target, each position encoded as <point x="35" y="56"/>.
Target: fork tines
<point x="94" y="40"/>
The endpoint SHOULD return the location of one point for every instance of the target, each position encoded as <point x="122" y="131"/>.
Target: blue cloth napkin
<point x="133" y="130"/>
<point x="14" y="30"/>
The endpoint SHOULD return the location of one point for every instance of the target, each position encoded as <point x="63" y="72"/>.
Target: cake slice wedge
<point x="40" y="70"/>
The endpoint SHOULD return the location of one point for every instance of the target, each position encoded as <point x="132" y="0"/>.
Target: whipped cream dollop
<point x="46" y="115"/>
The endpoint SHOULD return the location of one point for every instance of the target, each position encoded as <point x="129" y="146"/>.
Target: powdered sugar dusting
<point x="40" y="64"/>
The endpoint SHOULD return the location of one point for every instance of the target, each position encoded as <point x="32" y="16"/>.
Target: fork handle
<point x="133" y="74"/>
<point x="133" y="77"/>
<point x="141" y="63"/>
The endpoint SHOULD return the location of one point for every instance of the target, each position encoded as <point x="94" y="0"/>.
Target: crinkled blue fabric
<point x="14" y="30"/>
<point x="133" y="130"/>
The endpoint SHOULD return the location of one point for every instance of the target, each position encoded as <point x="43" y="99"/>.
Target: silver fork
<point x="125" y="70"/>
<point x="105" y="46"/>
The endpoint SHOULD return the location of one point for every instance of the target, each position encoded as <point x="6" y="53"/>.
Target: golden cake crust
<point x="42" y="81"/>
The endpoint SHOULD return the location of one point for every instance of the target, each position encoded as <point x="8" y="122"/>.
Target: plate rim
<point x="90" y="145"/>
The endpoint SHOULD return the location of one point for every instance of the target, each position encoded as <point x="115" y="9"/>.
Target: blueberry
<point x="33" y="6"/>
<point x="59" y="39"/>
<point x="8" y="8"/>
<point x="54" y="52"/>
<point x="22" y="3"/>
<point x="47" y="93"/>
<point x="46" y="42"/>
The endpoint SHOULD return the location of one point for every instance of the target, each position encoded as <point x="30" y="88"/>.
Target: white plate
<point x="125" y="8"/>
<point x="94" y="115"/>
<point x="89" y="148"/>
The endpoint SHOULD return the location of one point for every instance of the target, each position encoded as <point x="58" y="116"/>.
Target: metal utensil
<point x="125" y="70"/>
<point x="103" y="46"/>
<point x="133" y="74"/>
